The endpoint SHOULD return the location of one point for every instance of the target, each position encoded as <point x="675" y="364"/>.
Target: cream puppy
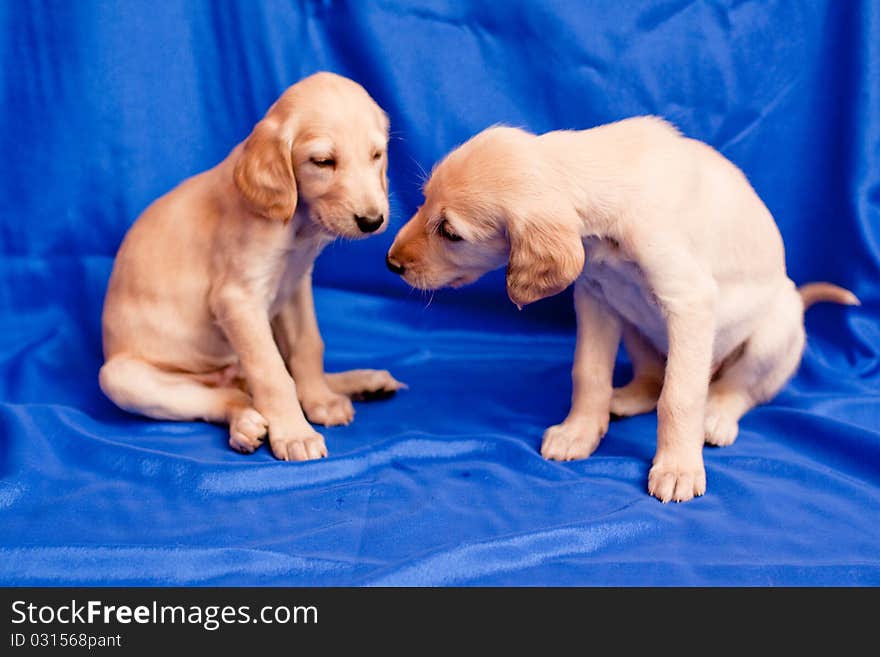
<point x="669" y="248"/>
<point x="209" y="312"/>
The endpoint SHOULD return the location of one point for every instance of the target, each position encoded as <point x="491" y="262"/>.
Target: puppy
<point x="668" y="246"/>
<point x="209" y="312"/>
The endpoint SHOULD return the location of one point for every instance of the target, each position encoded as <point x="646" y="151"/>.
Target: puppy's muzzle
<point x="393" y="266"/>
<point x="369" y="224"/>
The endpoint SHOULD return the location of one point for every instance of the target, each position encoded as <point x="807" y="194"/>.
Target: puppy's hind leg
<point x="641" y="394"/>
<point x="137" y="386"/>
<point x="364" y="384"/>
<point x="769" y="358"/>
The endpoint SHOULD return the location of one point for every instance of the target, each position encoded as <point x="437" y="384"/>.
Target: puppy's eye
<point x="446" y="232"/>
<point x="324" y="162"/>
<point x="377" y="155"/>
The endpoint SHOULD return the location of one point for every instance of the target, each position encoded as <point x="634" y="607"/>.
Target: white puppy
<point x="670" y="248"/>
<point x="209" y="309"/>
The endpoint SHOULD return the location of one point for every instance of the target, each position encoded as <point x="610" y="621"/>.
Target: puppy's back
<point x="156" y="274"/>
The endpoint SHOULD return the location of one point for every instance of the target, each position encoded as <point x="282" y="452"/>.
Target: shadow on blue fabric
<point x="107" y="105"/>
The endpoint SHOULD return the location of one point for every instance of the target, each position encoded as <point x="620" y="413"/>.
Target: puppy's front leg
<point x="247" y="327"/>
<point x="678" y="472"/>
<point x="297" y="324"/>
<point x="598" y="337"/>
<point x="325" y="398"/>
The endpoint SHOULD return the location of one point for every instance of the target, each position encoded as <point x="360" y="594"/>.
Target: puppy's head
<point x="493" y="201"/>
<point x="320" y="149"/>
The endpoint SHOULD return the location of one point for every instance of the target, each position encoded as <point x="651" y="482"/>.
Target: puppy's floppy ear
<point x="546" y="256"/>
<point x="264" y="172"/>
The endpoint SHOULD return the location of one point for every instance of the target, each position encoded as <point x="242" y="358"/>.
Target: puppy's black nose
<point x="393" y="265"/>
<point x="369" y="224"/>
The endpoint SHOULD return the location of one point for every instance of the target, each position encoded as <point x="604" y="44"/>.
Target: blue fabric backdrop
<point x="106" y="105"/>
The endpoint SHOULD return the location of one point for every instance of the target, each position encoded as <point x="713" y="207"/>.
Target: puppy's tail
<point x="815" y="292"/>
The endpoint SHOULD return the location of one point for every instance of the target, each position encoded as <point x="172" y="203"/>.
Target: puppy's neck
<point x="306" y="233"/>
<point x="585" y="184"/>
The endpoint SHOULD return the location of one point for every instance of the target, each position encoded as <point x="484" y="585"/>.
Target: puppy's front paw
<point x="677" y="479"/>
<point x="572" y="440"/>
<point x="305" y="445"/>
<point x="247" y="430"/>
<point x="328" y="408"/>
